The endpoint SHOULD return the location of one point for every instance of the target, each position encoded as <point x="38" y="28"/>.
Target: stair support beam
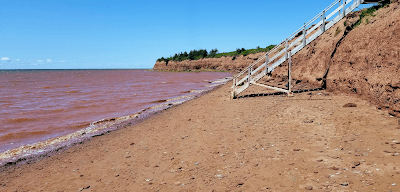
<point x="270" y="87"/>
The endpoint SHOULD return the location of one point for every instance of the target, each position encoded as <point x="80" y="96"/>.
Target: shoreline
<point x="273" y="143"/>
<point x="30" y="153"/>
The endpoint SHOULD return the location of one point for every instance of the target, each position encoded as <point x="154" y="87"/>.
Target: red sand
<point x="211" y="143"/>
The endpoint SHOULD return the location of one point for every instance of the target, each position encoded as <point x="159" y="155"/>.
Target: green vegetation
<point x="337" y="31"/>
<point x="202" y="53"/>
<point x="370" y="12"/>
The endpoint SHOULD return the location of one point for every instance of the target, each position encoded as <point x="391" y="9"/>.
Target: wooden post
<point x="304" y="36"/>
<point x="249" y="76"/>
<point x="233" y="93"/>
<point x="266" y="63"/>
<point x="323" y="21"/>
<point x="290" y="75"/>
<point x="286" y="49"/>
<point x="344" y="8"/>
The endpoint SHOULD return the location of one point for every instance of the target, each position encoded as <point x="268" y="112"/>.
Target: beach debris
<point x="344" y="184"/>
<point x="395" y="154"/>
<point x="308" y="187"/>
<point x="320" y="160"/>
<point x="394" y="184"/>
<point x="177" y="183"/>
<point x="355" y="164"/>
<point x="219" y="176"/>
<point x="149" y="180"/>
<point x="196" y="163"/>
<point x="296" y="149"/>
<point x="350" y="105"/>
<point x="222" y="155"/>
<point x="85" y="188"/>
<point x="309" y="121"/>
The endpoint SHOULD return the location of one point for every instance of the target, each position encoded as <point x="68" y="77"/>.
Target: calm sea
<point x="44" y="109"/>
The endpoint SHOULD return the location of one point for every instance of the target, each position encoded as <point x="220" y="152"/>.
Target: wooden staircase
<point x="293" y="44"/>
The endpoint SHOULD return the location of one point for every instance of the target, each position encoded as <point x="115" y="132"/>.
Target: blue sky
<point x="61" y="34"/>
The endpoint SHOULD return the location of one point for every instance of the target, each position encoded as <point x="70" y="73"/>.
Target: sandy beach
<point x="273" y="143"/>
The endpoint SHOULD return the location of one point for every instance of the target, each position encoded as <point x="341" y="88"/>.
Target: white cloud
<point x="62" y="61"/>
<point x="40" y="61"/>
<point x="5" y="59"/>
<point x="49" y="60"/>
<point x="18" y="59"/>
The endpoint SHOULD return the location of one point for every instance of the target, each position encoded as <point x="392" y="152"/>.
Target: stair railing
<point x="294" y="43"/>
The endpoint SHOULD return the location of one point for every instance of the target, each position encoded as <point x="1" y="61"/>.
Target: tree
<point x="191" y="55"/>
<point x="238" y="51"/>
<point x="203" y="53"/>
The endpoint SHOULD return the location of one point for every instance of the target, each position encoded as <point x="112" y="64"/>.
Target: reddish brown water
<point x="37" y="105"/>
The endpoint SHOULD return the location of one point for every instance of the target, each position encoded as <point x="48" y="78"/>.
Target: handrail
<point x="282" y="49"/>
<point x="294" y="34"/>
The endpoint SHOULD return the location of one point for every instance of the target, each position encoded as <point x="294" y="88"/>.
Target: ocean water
<point x="42" y="110"/>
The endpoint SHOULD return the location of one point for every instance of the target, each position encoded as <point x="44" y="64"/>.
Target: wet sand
<point x="274" y="143"/>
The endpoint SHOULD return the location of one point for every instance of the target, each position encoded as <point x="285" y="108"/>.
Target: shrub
<point x="337" y="31"/>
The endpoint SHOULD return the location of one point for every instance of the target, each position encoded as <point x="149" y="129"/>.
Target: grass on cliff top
<point x="244" y="52"/>
<point x="370" y="12"/>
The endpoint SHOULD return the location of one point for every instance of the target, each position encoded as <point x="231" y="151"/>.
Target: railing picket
<point x="304" y="35"/>
<point x="249" y="76"/>
<point x="266" y="63"/>
<point x="286" y="49"/>
<point x="290" y="73"/>
<point x="323" y="21"/>
<point x="344" y="8"/>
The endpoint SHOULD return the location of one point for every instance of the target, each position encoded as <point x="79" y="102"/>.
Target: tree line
<point x="202" y="53"/>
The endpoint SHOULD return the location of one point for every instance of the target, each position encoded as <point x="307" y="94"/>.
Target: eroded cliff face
<point x="363" y="60"/>
<point x="223" y="63"/>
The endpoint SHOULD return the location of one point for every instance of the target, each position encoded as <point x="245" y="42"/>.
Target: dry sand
<point x="212" y="143"/>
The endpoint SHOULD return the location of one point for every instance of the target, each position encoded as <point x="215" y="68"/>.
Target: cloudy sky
<point x="70" y="34"/>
